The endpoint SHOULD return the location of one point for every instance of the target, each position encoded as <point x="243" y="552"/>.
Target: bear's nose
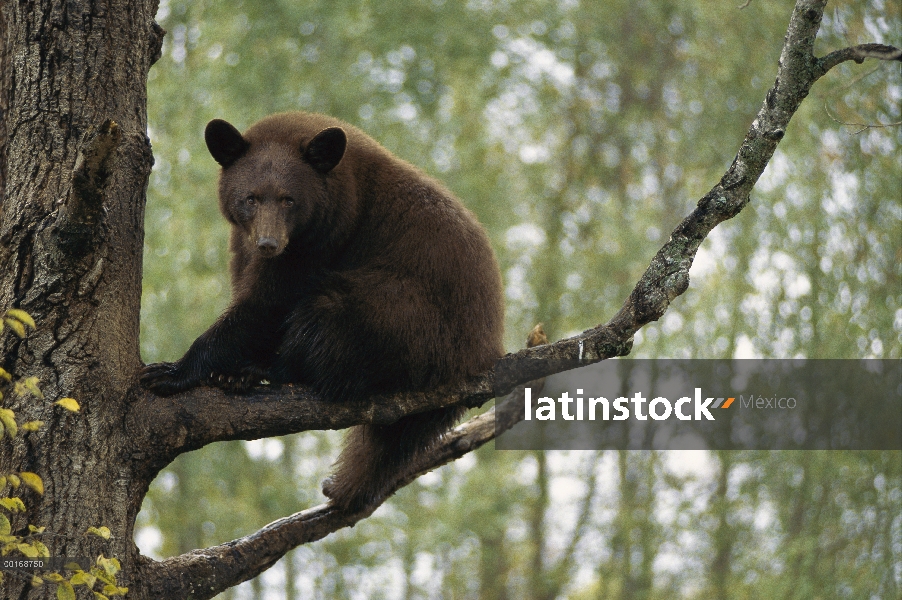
<point x="267" y="244"/>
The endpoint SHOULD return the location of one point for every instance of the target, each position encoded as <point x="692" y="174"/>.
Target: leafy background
<point x="580" y="133"/>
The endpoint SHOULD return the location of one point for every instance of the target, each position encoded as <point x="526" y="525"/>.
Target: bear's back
<point x="408" y="226"/>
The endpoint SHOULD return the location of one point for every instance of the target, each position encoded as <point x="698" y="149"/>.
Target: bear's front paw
<point x="244" y="380"/>
<point x="165" y="379"/>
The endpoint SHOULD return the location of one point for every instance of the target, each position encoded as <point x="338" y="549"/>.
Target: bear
<point x="352" y="272"/>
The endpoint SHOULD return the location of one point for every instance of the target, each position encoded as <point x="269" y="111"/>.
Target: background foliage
<point x="580" y="133"/>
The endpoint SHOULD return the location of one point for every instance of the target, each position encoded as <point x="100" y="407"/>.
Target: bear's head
<point x="275" y="181"/>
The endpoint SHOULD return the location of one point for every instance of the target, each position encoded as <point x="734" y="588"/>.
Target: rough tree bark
<point x="74" y="163"/>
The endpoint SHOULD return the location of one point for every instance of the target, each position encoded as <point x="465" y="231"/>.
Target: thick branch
<point x="198" y="417"/>
<point x="205" y="573"/>
<point x="161" y="428"/>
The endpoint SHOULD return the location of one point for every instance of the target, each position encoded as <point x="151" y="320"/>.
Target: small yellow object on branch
<point x="32" y="480"/>
<point x="22" y="316"/>
<point x="103" y="532"/>
<point x="69" y="404"/>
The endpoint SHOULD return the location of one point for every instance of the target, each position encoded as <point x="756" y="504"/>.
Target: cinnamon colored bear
<point x="353" y="272"/>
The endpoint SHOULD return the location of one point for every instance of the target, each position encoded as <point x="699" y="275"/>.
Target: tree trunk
<point x="71" y="239"/>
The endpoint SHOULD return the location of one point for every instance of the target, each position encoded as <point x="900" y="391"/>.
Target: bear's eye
<point x="287" y="202"/>
<point x="250" y="200"/>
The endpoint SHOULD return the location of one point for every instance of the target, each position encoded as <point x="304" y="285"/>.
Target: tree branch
<point x="190" y="420"/>
<point x="858" y="54"/>
<point x="161" y="428"/>
<point x="205" y="573"/>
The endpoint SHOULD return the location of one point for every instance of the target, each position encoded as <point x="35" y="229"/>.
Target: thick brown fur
<point x="352" y="272"/>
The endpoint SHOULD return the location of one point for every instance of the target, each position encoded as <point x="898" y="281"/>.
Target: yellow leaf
<point x="5" y="526"/>
<point x="37" y="581"/>
<point x="32" y="425"/>
<point x="65" y="591"/>
<point x="34" y="529"/>
<point x="32" y="480"/>
<point x="69" y="404"/>
<point x="7" y="548"/>
<point x="28" y="550"/>
<point x="16" y="326"/>
<point x="103" y="532"/>
<point x="13" y="504"/>
<point x="43" y="551"/>
<point x="99" y="596"/>
<point x="2" y="482"/>
<point x="8" y="418"/>
<point x="8" y="539"/>
<point x="54" y="577"/>
<point x="22" y="316"/>
<point x="3" y="373"/>
<point x="31" y="384"/>
<point x="14" y="481"/>
<point x="82" y="578"/>
<point x="102" y="576"/>
<point x="110" y="565"/>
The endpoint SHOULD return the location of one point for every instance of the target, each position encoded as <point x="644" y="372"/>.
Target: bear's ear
<point x="325" y="150"/>
<point x="224" y="142"/>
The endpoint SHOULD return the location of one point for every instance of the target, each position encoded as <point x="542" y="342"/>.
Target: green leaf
<point x="32" y="480"/>
<point x="103" y="532"/>
<point x="8" y="418"/>
<point x="22" y="316"/>
<point x="70" y="404"/>
<point x="65" y="591"/>
<point x="2" y="482"/>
